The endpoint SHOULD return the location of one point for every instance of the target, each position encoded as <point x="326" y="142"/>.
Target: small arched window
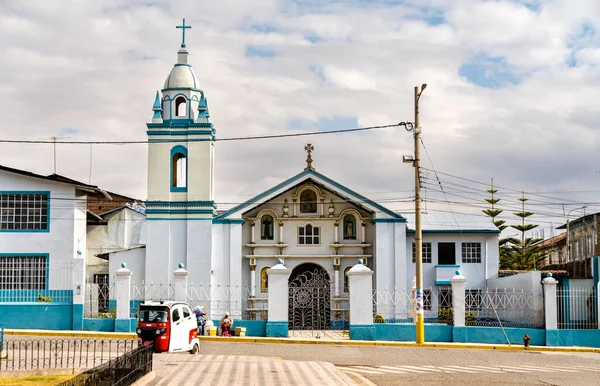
<point x="346" y="279"/>
<point x="180" y="107"/>
<point x="264" y="280"/>
<point x="266" y="227"/>
<point x="178" y="168"/>
<point x="349" y="227"/>
<point x="308" y="202"/>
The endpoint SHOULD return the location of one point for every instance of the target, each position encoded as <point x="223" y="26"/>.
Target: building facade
<point x="316" y="226"/>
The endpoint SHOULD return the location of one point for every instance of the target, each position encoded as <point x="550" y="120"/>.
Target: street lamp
<point x="420" y="328"/>
<point x="569" y="245"/>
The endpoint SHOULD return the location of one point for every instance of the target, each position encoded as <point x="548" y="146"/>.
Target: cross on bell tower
<point x="309" y="148"/>
<point x="183" y="28"/>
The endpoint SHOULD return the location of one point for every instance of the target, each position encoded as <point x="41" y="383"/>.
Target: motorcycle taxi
<point x="171" y="326"/>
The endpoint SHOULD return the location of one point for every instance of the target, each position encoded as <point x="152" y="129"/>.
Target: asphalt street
<point x="425" y="366"/>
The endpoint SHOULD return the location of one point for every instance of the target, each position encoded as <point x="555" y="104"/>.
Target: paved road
<point x="381" y="366"/>
<point x="181" y="369"/>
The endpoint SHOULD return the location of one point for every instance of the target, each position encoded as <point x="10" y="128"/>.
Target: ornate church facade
<point x="317" y="227"/>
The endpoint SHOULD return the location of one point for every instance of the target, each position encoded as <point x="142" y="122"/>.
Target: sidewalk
<point x="249" y="339"/>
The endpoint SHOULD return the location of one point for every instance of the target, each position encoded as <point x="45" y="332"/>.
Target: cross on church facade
<point x="309" y="148"/>
<point x="183" y="28"/>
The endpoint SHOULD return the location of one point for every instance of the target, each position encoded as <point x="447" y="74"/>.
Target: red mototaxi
<point x="170" y="326"/>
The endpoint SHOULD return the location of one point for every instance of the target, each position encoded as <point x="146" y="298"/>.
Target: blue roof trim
<point x="310" y="172"/>
<point x="180" y="140"/>
<point x="179" y="211"/>
<point x="167" y="123"/>
<point x="455" y="231"/>
<point x="176" y="132"/>
<point x="180" y="204"/>
<point x="384" y="220"/>
<point x="179" y="219"/>
<point x="447" y="266"/>
<point x="217" y="220"/>
<point x="443" y="282"/>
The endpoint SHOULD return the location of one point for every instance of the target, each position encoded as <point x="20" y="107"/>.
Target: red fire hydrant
<point x="526" y="340"/>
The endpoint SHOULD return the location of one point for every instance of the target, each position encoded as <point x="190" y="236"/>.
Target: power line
<point x="274" y="136"/>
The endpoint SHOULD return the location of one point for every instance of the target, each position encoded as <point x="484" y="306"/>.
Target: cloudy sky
<point x="513" y="93"/>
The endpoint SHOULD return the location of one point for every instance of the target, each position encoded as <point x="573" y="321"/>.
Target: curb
<point x="480" y="346"/>
<point x="238" y="339"/>
<point x="73" y="334"/>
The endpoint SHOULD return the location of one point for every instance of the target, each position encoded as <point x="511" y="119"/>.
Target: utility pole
<point x="418" y="231"/>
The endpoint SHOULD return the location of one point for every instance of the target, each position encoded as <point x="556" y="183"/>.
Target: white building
<point x="42" y="240"/>
<point x="316" y="226"/>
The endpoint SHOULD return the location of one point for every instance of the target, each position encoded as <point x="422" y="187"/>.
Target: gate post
<point x="550" y="311"/>
<point x="458" y="299"/>
<point x="180" y="284"/>
<point x="360" y="289"/>
<point x="277" y="323"/>
<point x="123" y="294"/>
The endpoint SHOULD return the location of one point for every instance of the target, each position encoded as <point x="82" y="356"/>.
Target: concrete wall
<point x="528" y="282"/>
<point x="134" y="258"/>
<point x="43" y="316"/>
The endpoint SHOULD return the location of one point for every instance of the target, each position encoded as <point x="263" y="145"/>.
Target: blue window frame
<point x="179" y="169"/>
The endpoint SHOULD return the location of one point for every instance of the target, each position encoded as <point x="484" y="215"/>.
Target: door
<point x="190" y="325"/>
<point x="178" y="330"/>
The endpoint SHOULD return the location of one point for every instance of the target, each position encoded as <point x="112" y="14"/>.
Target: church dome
<point x="181" y="76"/>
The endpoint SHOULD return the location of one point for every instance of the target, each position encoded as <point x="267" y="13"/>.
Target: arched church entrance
<point x="309" y="298"/>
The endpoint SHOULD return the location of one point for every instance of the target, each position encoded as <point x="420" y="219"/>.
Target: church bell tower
<point x="180" y="204"/>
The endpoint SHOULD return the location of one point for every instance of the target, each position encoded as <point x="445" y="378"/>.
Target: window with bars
<point x="23" y="272"/>
<point x="23" y="211"/>
<point x="426" y="248"/>
<point x="471" y="252"/>
<point x="309" y="235"/>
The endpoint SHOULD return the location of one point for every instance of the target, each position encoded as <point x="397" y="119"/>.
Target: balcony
<point x="443" y="273"/>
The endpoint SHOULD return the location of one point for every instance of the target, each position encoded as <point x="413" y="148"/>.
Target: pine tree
<point x="515" y="253"/>
<point x="494" y="212"/>
<point x="522" y="253"/>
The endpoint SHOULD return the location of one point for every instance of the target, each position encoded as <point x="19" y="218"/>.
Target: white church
<point x="316" y="226"/>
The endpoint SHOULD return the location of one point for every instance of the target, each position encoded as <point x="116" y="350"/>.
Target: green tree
<point x="494" y="212"/>
<point x="515" y="253"/>
<point x="523" y="254"/>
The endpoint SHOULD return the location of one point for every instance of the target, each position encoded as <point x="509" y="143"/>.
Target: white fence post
<point x="277" y="323"/>
<point x="360" y="294"/>
<point x="123" y="295"/>
<point x="458" y="298"/>
<point x="180" y="283"/>
<point x="78" y="281"/>
<point x="550" y="311"/>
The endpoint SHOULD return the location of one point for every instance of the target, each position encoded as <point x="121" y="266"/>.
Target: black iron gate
<point x="309" y="306"/>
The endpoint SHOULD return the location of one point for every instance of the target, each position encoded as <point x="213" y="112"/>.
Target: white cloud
<point x="95" y="67"/>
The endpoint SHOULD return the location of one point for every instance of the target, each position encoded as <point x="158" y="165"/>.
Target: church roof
<point x="181" y="76"/>
<point x="309" y="174"/>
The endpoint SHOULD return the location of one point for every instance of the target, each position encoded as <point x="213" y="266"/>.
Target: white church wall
<point x="157" y="251"/>
<point x="66" y="225"/>
<point x="196" y="254"/>
<point x="159" y="155"/>
<point x="200" y="184"/>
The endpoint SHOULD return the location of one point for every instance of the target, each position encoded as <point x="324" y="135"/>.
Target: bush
<point x="378" y="319"/>
<point x="46" y="299"/>
<point x="469" y="319"/>
<point x="446" y="315"/>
